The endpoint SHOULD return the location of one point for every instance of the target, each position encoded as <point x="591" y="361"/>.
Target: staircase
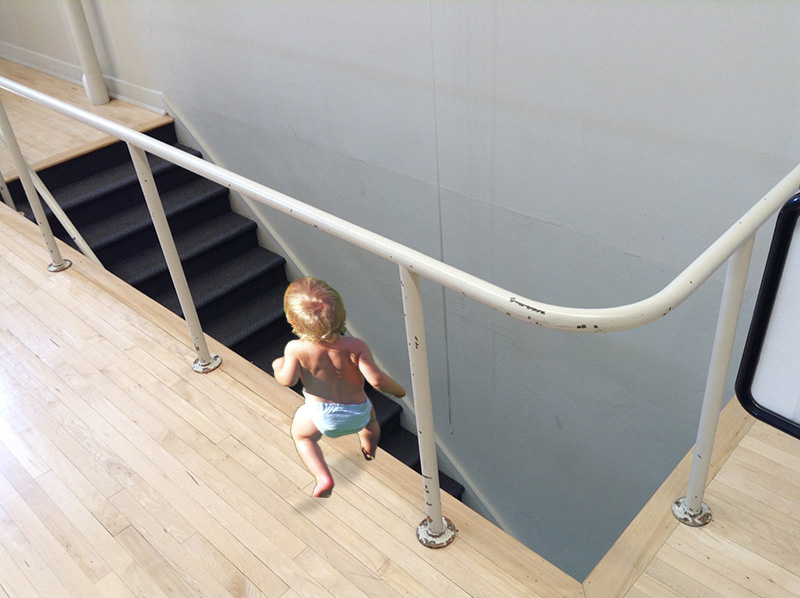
<point x="237" y="285"/>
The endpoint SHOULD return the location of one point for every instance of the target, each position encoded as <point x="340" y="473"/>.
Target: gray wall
<point x="578" y="153"/>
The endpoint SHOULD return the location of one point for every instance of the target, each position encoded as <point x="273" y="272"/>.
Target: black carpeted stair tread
<point x="403" y="445"/>
<point x="229" y="275"/>
<point x="449" y="485"/>
<point x="102" y="233"/>
<point x="107" y="181"/>
<point x="246" y="319"/>
<point x="191" y="243"/>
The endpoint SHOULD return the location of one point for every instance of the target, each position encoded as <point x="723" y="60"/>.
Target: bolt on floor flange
<point x="690" y="518"/>
<point x="426" y="538"/>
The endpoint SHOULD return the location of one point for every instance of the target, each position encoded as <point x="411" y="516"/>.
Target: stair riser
<point x="91" y="163"/>
<point x="388" y="425"/>
<point x="161" y="282"/>
<point x="124" y="197"/>
<point x="277" y="329"/>
<point x="262" y="352"/>
<point x="139" y="240"/>
<point x="269" y="286"/>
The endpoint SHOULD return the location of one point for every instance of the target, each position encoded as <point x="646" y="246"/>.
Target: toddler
<point x="332" y="368"/>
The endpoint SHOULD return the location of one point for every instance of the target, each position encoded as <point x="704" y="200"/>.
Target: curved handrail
<point x="606" y="319"/>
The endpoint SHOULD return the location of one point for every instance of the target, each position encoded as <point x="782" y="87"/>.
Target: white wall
<point x="578" y="153"/>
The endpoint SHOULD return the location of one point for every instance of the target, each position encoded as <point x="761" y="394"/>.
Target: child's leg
<point x="370" y="436"/>
<point x="306" y="440"/>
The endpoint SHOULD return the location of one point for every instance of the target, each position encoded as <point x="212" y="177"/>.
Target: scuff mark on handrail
<point x="526" y="306"/>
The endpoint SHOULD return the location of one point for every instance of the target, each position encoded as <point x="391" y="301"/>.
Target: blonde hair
<point x="314" y="309"/>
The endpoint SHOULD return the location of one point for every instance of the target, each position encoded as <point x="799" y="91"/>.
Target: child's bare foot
<point x="323" y="489"/>
<point x="367" y="455"/>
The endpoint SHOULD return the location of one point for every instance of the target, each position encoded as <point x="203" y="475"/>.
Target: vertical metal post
<point x="93" y="81"/>
<point x="691" y="510"/>
<point x="205" y="362"/>
<point x="435" y="531"/>
<point x="59" y="263"/>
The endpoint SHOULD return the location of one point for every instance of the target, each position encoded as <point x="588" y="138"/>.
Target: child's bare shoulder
<point x="357" y="348"/>
<point x="295" y="347"/>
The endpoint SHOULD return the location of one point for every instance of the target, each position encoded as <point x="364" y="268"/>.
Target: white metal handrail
<point x="413" y="264"/>
<point x="607" y="319"/>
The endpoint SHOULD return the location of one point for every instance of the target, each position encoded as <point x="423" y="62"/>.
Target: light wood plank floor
<point x="123" y="473"/>
<point x="750" y="549"/>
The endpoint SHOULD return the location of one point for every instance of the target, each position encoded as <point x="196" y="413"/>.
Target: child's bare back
<point x="329" y="371"/>
<point x="335" y="371"/>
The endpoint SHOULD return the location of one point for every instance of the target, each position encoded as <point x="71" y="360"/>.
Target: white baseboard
<point x="117" y="88"/>
<point x="41" y="62"/>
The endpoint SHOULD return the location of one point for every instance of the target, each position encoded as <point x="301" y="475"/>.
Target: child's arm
<point x="376" y="376"/>
<point x="287" y="368"/>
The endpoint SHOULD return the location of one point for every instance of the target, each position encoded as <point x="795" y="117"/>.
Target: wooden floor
<point x="751" y="547"/>
<point x="123" y="473"/>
